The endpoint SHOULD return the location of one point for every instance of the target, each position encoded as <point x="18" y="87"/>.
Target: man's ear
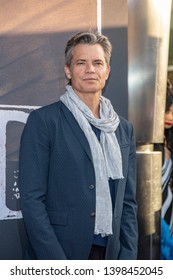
<point x="108" y="72"/>
<point x="67" y="72"/>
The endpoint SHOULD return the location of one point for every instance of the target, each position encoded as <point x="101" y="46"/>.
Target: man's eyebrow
<point x="80" y="60"/>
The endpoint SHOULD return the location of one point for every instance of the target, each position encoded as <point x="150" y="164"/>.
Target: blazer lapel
<point x="77" y="130"/>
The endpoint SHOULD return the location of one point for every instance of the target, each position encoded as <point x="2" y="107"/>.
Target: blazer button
<point x="93" y="214"/>
<point x="91" y="187"/>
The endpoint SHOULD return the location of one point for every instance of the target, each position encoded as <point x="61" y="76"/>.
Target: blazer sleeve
<point x="33" y="174"/>
<point x="129" y="227"/>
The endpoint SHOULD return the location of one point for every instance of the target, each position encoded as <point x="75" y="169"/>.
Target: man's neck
<point x="93" y="102"/>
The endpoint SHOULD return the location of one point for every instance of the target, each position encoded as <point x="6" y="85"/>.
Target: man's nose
<point x="90" y="68"/>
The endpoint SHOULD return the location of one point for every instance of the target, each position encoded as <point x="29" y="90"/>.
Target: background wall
<point x="33" y="35"/>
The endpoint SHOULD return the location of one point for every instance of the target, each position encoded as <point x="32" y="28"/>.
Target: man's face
<point x="88" y="71"/>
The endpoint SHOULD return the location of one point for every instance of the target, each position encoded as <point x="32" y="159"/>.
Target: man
<point x="77" y="166"/>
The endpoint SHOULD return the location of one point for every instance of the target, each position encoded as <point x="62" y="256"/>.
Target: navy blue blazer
<point x="57" y="188"/>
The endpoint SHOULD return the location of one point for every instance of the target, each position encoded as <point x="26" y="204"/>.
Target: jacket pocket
<point x="124" y="145"/>
<point x="57" y="218"/>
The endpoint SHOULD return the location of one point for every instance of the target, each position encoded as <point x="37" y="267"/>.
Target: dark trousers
<point x="97" y="253"/>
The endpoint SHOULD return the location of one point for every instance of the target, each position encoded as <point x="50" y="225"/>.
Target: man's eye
<point x="80" y="63"/>
<point x="98" y="63"/>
